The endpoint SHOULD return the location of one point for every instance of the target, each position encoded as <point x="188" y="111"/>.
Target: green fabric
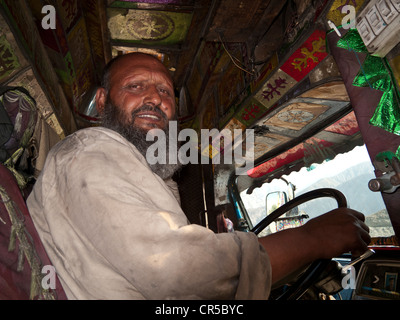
<point x="376" y="74"/>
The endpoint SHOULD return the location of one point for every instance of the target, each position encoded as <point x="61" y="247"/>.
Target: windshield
<point x="349" y="173"/>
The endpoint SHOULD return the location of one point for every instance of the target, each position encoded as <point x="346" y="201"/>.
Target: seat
<point x="23" y="259"/>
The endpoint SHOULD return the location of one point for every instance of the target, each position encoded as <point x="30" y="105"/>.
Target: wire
<point x="233" y="58"/>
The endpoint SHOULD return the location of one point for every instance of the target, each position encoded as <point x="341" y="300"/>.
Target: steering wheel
<point x="316" y="268"/>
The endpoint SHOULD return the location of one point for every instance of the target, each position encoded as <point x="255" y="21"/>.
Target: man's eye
<point x="164" y="91"/>
<point x="134" y="86"/>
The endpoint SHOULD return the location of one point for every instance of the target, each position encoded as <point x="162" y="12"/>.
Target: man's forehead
<point x="139" y="60"/>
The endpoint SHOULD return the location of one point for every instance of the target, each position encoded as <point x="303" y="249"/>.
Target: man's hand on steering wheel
<point x="338" y="231"/>
<point x="320" y="239"/>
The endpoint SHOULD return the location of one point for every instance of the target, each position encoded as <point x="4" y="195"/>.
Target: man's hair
<point x="105" y="81"/>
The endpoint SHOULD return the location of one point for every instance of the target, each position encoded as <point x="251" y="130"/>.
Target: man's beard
<point x="115" y="119"/>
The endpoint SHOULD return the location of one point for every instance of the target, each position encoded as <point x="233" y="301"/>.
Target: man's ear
<point x="101" y="97"/>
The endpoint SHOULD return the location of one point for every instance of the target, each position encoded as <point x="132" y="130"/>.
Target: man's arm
<point x="338" y="231"/>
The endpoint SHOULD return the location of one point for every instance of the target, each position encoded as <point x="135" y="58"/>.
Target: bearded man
<point x="114" y="229"/>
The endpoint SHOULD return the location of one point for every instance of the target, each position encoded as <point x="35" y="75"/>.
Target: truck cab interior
<point x="311" y="85"/>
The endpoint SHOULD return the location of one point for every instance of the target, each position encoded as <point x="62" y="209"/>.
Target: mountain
<point x="379" y="224"/>
<point x="353" y="183"/>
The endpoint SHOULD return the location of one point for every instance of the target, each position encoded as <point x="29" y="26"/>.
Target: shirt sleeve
<point x="117" y="231"/>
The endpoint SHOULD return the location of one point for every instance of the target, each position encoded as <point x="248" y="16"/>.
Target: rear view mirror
<point x="274" y="200"/>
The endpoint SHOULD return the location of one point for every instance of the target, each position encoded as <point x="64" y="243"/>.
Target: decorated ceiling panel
<point x="336" y="138"/>
<point x="297" y="115"/>
<point x="145" y="27"/>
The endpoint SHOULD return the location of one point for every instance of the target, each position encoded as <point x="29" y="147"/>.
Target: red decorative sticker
<point x="307" y="56"/>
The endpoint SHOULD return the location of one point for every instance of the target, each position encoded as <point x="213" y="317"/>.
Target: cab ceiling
<point x="199" y="22"/>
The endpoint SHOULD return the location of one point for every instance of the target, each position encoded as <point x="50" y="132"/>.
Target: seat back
<point x="25" y="269"/>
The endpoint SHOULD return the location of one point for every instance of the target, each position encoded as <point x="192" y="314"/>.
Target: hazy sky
<point x="341" y="162"/>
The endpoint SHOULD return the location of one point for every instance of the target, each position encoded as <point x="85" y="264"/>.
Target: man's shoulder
<point x="92" y="141"/>
<point x="98" y="134"/>
<point x="93" y="136"/>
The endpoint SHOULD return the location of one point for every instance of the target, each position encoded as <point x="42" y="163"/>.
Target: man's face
<point x="142" y="90"/>
<point x="141" y="98"/>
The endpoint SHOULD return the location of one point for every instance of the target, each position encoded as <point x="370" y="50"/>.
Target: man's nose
<point x="152" y="96"/>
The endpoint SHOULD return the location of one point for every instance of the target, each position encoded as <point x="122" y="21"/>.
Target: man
<point x="113" y="228"/>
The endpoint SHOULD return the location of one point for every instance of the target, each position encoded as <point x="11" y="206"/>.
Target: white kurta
<point x="114" y="230"/>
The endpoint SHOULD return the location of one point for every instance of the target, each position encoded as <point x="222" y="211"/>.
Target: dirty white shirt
<point x="114" y="230"/>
